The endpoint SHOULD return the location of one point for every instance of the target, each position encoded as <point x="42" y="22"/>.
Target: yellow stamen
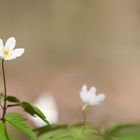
<point x="6" y="52"/>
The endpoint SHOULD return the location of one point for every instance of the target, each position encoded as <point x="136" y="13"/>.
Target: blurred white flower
<point x="47" y="105"/>
<point x="89" y="97"/>
<point x="8" y="52"/>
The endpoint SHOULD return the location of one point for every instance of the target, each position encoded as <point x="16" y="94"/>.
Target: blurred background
<point x="74" y="42"/>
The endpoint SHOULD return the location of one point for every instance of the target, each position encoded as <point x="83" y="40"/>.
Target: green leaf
<point x="124" y="132"/>
<point x="33" y="110"/>
<point x="19" y="122"/>
<point x="46" y="129"/>
<point x="28" y="108"/>
<point x="12" y="99"/>
<point x="3" y="132"/>
<point x="73" y="132"/>
<point x="39" y="113"/>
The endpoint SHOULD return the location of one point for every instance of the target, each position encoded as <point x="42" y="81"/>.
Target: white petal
<point x="9" y="58"/>
<point x="98" y="99"/>
<point x="17" y="52"/>
<point x="83" y="93"/>
<point x="10" y="43"/>
<point x="92" y="91"/>
<point x="1" y="44"/>
<point x="91" y="98"/>
<point x="84" y="88"/>
<point x="91" y="94"/>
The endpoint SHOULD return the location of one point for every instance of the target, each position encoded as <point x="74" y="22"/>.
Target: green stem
<point x="5" y="90"/>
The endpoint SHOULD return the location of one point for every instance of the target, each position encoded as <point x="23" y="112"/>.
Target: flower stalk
<point x="90" y="98"/>
<point x="5" y="90"/>
<point x="84" y="113"/>
<point x="7" y="52"/>
<point x="84" y="107"/>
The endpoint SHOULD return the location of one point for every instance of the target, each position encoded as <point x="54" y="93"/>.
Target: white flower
<point x="7" y="51"/>
<point x="47" y="105"/>
<point x="89" y="97"/>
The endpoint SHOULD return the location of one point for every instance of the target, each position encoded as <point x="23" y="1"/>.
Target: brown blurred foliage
<point x="74" y="42"/>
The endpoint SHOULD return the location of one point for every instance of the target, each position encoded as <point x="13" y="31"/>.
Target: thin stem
<point x="84" y="112"/>
<point x="13" y="105"/>
<point x="84" y="117"/>
<point x="5" y="90"/>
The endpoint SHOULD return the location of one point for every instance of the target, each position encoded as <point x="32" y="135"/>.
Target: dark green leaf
<point x="33" y="110"/>
<point x="3" y="132"/>
<point x="12" y="99"/>
<point x="46" y="129"/>
<point x="28" y="108"/>
<point x="19" y="122"/>
<point x="39" y="113"/>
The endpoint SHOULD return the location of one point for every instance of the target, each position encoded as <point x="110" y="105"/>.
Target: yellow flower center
<point x="6" y="52"/>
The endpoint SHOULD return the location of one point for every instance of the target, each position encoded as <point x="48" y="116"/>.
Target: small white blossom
<point x="7" y="51"/>
<point x="89" y="97"/>
<point x="47" y="105"/>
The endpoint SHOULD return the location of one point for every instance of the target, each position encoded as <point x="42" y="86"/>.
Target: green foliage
<point x="64" y="132"/>
<point x="44" y="129"/>
<point x="123" y="132"/>
<point x="72" y="132"/>
<point x="39" y="113"/>
<point x="3" y="131"/>
<point x="28" y="108"/>
<point x="76" y="132"/>
<point x="33" y="110"/>
<point x="12" y="99"/>
<point x="19" y="122"/>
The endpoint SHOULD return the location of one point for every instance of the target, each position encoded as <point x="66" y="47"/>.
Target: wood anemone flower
<point x="89" y="97"/>
<point x="7" y="51"/>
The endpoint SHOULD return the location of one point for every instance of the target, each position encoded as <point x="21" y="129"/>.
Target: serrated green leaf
<point x="3" y="132"/>
<point x="33" y="110"/>
<point x="12" y="99"/>
<point x="19" y="122"/>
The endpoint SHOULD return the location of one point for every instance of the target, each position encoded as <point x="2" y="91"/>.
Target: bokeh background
<point x="74" y="42"/>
